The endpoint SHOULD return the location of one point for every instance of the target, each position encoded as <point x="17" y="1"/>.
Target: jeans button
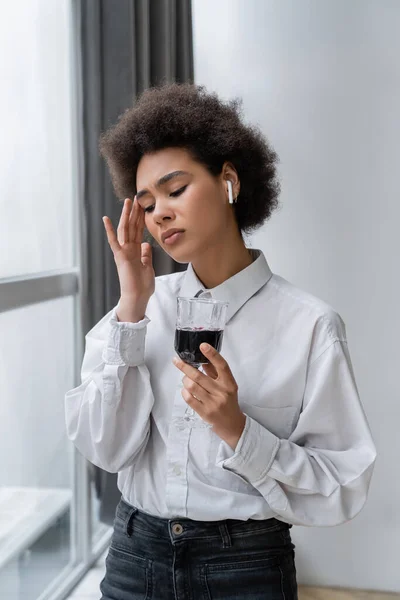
<point x="177" y="529"/>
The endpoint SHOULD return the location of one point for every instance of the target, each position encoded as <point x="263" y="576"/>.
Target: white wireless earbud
<point x="230" y="191"/>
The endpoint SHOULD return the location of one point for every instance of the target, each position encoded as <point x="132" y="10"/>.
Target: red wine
<point x="187" y="343"/>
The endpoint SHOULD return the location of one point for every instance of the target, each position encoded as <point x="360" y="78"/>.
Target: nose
<point x="162" y="212"/>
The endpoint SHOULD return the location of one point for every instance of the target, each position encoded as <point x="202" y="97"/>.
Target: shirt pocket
<point x="279" y="420"/>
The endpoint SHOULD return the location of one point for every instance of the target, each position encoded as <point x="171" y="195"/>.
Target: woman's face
<point x="178" y="192"/>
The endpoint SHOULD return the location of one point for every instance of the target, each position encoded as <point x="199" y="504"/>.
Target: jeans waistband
<point x="182" y="527"/>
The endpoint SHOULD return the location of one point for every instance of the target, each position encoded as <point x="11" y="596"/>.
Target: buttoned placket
<point x="184" y="419"/>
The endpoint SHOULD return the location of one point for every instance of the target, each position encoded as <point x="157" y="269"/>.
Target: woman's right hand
<point x="132" y="257"/>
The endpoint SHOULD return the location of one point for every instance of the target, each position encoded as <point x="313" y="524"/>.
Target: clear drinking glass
<point x="198" y="320"/>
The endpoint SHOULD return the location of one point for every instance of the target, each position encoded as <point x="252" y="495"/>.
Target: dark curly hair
<point x="185" y="115"/>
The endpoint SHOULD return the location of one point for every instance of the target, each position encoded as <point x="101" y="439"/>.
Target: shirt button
<point x="177" y="470"/>
<point x="177" y="529"/>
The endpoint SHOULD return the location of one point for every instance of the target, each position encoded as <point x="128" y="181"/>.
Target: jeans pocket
<point x="254" y="578"/>
<point x="128" y="576"/>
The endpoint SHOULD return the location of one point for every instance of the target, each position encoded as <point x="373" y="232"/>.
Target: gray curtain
<point x="127" y="46"/>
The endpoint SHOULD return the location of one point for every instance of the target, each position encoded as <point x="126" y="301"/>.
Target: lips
<point x="175" y="237"/>
<point x="170" y="232"/>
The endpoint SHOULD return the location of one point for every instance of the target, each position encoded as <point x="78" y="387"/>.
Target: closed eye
<point x="178" y="192"/>
<point x="173" y="194"/>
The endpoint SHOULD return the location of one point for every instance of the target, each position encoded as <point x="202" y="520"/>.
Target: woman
<point x="280" y="437"/>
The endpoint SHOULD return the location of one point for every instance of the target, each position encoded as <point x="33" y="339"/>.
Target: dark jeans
<point x="151" y="558"/>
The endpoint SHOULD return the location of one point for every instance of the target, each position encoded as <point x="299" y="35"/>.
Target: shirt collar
<point x="236" y="290"/>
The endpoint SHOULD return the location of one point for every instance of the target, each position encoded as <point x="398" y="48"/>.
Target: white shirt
<point x="306" y="454"/>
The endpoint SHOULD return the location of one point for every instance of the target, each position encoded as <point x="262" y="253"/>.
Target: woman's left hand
<point x="214" y="396"/>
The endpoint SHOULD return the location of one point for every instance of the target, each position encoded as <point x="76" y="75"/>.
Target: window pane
<point x="36" y="175"/>
<point x="36" y="369"/>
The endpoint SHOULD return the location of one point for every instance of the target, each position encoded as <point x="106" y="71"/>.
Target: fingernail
<point x="205" y="347"/>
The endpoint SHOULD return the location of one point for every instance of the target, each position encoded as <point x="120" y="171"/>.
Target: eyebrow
<point x="162" y="181"/>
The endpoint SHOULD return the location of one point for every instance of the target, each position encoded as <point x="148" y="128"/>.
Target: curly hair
<point x="185" y="115"/>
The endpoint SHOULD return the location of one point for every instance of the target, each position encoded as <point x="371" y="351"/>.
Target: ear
<point x="229" y="173"/>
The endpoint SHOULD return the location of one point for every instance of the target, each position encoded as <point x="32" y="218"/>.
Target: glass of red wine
<point x="198" y="320"/>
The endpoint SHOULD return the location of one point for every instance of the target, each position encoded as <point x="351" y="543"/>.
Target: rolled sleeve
<point x="254" y="452"/>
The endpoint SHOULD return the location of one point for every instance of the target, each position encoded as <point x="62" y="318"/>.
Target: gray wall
<point x="322" y="79"/>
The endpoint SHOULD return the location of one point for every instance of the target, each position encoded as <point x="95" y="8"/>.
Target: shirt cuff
<point x="254" y="452"/>
<point x="126" y="342"/>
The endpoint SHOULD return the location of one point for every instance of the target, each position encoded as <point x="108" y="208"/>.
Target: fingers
<point x="195" y="390"/>
<point x="130" y="228"/>
<point x="194" y="374"/>
<point x="220" y="365"/>
<point x="123" y="225"/>
<point x="210" y="370"/>
<point x="136" y="222"/>
<point x="111" y="235"/>
<point x="215" y="358"/>
<point x="147" y="259"/>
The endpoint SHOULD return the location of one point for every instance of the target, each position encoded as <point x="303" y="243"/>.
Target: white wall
<point x="322" y="79"/>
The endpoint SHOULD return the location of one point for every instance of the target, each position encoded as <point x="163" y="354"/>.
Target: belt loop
<point x="226" y="538"/>
<point x="129" y="522"/>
